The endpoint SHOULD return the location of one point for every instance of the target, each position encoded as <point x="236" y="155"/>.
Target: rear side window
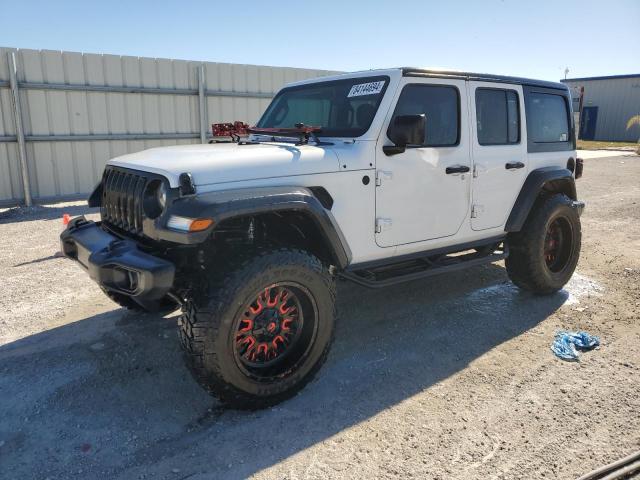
<point x="497" y="116"/>
<point x="547" y="118"/>
<point x="441" y="107"/>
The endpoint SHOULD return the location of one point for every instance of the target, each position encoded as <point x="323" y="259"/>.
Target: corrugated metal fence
<point x="78" y="110"/>
<point x="617" y="100"/>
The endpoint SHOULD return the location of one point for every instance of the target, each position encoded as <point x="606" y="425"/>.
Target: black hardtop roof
<point x="481" y="77"/>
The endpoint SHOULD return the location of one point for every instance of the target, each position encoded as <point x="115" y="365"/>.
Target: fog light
<point x="186" y="224"/>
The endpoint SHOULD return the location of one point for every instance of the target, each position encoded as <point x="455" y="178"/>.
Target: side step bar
<point x="424" y="267"/>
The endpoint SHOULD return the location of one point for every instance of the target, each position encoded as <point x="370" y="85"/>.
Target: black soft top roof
<point x="481" y="77"/>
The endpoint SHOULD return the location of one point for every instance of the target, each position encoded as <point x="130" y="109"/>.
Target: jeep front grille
<point x="122" y="194"/>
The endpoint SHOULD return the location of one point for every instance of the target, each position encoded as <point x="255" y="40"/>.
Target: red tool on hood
<point x="234" y="130"/>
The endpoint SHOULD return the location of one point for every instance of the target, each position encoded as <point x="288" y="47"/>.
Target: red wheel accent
<point x="279" y="338"/>
<point x="557" y="244"/>
<point x="258" y="309"/>
<point x="286" y="323"/>
<point x="270" y="303"/>
<point x="248" y="341"/>
<point x="552" y="243"/>
<point x="249" y="324"/>
<point x="268" y="327"/>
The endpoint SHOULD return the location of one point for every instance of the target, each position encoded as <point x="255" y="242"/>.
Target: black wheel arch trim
<point x="225" y="204"/>
<point x="546" y="178"/>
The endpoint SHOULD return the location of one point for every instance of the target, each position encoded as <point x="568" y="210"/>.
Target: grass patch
<point x="594" y="145"/>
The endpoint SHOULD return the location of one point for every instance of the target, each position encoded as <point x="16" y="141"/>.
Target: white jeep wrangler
<point x="377" y="177"/>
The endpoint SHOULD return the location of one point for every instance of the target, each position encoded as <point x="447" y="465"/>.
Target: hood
<point x="230" y="162"/>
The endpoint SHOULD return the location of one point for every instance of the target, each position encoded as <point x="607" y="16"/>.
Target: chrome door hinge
<point x="382" y="175"/>
<point x="476" y="210"/>
<point x="383" y="224"/>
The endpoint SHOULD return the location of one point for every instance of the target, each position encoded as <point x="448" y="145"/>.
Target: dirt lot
<point x="450" y="377"/>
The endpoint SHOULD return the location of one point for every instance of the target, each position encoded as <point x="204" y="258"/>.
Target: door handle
<point x="457" y="169"/>
<point x="513" y="165"/>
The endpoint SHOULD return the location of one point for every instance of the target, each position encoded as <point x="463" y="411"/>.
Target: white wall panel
<point x="66" y="168"/>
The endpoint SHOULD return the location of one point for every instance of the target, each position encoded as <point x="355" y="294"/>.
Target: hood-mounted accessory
<point x="229" y="132"/>
<point x="301" y="131"/>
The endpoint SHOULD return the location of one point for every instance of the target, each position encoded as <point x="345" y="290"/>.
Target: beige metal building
<point x="78" y="110"/>
<point x="607" y="107"/>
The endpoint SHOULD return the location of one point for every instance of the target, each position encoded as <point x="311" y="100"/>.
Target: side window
<point x="441" y="107"/>
<point x="547" y="118"/>
<point x="497" y="116"/>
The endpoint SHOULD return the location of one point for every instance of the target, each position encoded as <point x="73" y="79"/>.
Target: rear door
<point x="423" y="193"/>
<point x="499" y="151"/>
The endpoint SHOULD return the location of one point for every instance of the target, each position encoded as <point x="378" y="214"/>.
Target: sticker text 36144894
<point x="371" y="88"/>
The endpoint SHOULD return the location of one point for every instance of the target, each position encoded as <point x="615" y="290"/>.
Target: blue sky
<point x="528" y="38"/>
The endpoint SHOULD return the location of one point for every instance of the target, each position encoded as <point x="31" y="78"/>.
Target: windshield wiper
<point x="301" y="131"/>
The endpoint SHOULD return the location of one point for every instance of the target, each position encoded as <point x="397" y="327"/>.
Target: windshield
<point x="341" y="108"/>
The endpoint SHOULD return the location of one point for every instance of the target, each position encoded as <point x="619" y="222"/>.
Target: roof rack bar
<point x="480" y="77"/>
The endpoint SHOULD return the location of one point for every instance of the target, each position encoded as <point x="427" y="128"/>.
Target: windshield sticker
<point x="371" y="88"/>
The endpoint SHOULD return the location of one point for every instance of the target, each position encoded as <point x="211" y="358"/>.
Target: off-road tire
<point x="209" y="315"/>
<point x="526" y="264"/>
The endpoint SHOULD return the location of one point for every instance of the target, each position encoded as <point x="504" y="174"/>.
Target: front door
<point x="423" y="193"/>
<point x="499" y="152"/>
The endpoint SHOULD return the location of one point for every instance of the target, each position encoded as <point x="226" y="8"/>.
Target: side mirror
<point x="406" y="130"/>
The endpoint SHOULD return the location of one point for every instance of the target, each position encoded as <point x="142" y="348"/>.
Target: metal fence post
<point x="17" y="115"/>
<point x="203" y="105"/>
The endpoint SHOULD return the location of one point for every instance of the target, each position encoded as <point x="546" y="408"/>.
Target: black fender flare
<point x="225" y="204"/>
<point x="554" y="179"/>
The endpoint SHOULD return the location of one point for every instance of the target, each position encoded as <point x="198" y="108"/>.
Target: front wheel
<point x="543" y="256"/>
<point x="258" y="332"/>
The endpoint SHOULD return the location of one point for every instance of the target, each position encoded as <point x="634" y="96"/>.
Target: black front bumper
<point x="117" y="264"/>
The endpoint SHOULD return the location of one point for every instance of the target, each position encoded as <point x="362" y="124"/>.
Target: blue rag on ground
<point x="567" y="344"/>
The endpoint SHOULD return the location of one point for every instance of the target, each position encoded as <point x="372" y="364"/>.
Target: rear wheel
<point x="257" y="334"/>
<point x="544" y="255"/>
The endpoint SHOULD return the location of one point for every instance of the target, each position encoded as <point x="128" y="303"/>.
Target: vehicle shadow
<point x="109" y="395"/>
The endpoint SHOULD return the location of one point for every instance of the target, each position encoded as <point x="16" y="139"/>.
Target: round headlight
<point x="154" y="199"/>
<point x="161" y="195"/>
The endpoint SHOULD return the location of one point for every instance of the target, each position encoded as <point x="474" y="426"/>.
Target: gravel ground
<point x="450" y="377"/>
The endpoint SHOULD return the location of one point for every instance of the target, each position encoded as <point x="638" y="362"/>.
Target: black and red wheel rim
<point x="558" y="244"/>
<point x="275" y="330"/>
